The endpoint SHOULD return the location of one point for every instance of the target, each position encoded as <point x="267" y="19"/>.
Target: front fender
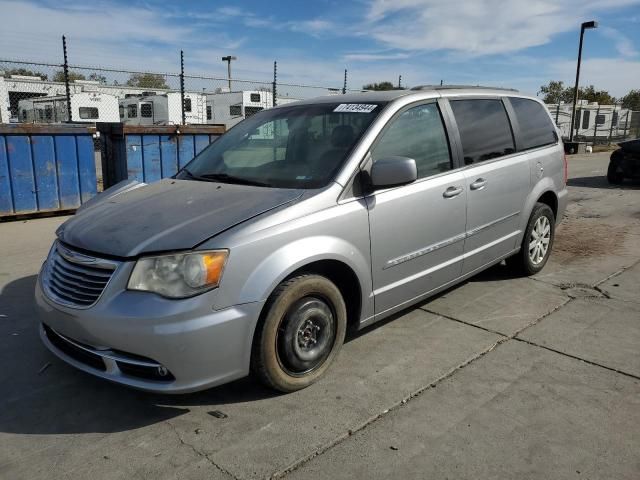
<point x="282" y="262"/>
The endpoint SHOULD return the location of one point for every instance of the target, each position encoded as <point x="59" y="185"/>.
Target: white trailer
<point x="592" y="120"/>
<point x="5" y="111"/>
<point x="86" y="107"/>
<point x="230" y="108"/>
<point x="164" y="109"/>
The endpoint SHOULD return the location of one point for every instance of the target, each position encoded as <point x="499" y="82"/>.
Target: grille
<point x="75" y="279"/>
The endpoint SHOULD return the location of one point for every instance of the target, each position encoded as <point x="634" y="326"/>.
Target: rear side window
<point x="88" y="112"/>
<point x="146" y="110"/>
<point x="417" y="133"/>
<point x="484" y="129"/>
<point x="536" y="128"/>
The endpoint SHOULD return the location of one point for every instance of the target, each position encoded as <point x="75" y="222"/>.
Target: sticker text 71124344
<point x="355" y="108"/>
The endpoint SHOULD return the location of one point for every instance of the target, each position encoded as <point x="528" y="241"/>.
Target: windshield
<point x="290" y="147"/>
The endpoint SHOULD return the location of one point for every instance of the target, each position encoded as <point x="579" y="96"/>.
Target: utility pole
<point x="228" y="59"/>
<point x="583" y="27"/>
<point x="399" y="82"/>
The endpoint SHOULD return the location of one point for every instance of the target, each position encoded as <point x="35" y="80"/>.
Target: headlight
<point x="179" y="275"/>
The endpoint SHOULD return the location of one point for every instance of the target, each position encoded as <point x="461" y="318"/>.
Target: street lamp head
<point x="228" y="58"/>
<point x="591" y="24"/>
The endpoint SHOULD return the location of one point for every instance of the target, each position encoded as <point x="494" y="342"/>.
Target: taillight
<point x="566" y="173"/>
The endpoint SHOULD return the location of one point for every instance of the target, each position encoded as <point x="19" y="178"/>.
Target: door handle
<point x="452" y="192"/>
<point x="479" y="184"/>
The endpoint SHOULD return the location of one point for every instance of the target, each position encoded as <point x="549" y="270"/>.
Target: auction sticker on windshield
<point x="355" y="108"/>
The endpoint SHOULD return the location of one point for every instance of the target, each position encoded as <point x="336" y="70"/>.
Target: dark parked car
<point x="624" y="162"/>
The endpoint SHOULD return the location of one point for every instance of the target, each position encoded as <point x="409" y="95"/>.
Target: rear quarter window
<point x="536" y="128"/>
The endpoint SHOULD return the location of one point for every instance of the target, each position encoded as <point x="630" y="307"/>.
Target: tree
<point x="147" y="80"/>
<point x="592" y="95"/>
<point x="555" y="92"/>
<point x="631" y="100"/>
<point x="25" y="72"/>
<point x="73" y="76"/>
<point x="381" y="86"/>
<point x="95" y="77"/>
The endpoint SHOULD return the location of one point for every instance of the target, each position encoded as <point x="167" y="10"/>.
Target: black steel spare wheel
<point x="300" y="332"/>
<point x="306" y="335"/>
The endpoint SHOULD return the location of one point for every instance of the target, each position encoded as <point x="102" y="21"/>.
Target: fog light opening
<point x="163" y="372"/>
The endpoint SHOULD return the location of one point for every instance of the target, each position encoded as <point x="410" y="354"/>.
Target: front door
<point x="417" y="230"/>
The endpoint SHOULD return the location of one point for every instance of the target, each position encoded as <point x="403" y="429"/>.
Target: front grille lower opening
<point x="157" y="374"/>
<point x="69" y="349"/>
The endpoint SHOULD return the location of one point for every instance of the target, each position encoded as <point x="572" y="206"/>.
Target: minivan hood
<point x="128" y="220"/>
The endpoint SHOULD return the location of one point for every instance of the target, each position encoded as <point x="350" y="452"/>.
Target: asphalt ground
<point x="500" y="377"/>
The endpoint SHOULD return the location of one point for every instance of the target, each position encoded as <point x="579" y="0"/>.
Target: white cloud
<point x="99" y="35"/>
<point x="617" y="75"/>
<point x="478" y="27"/>
<point x="373" y="57"/>
<point x="623" y="44"/>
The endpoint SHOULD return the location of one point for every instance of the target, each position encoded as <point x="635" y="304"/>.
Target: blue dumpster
<point x="148" y="153"/>
<point x="45" y="168"/>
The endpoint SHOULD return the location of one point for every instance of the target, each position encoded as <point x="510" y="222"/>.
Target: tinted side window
<point x="417" y="133"/>
<point x="536" y="128"/>
<point x="484" y="129"/>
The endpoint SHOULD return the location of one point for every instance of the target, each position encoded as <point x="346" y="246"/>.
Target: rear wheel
<point x="300" y="334"/>
<point x="537" y="241"/>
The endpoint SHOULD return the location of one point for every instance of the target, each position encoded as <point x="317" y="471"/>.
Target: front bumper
<point x="198" y="346"/>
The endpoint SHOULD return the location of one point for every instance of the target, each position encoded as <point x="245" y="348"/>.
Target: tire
<point x="299" y="334"/>
<point x="614" y="175"/>
<point x="523" y="262"/>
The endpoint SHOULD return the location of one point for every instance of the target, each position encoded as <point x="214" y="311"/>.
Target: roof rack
<point x="458" y="87"/>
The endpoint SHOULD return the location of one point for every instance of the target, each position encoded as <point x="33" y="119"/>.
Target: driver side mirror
<point x="392" y="172"/>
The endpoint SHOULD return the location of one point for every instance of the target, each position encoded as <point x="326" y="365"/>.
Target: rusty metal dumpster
<point x="149" y="153"/>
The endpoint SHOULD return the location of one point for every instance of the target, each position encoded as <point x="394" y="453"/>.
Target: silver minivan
<point x="297" y="224"/>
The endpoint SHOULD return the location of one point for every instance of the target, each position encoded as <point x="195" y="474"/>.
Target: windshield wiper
<point x="226" y="178"/>
<point x="189" y="174"/>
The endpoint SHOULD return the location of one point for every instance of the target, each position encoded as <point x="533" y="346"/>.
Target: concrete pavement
<point x="500" y="377"/>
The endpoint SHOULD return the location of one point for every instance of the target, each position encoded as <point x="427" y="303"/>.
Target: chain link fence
<point x="596" y="124"/>
<point x="56" y="93"/>
<point x="64" y="92"/>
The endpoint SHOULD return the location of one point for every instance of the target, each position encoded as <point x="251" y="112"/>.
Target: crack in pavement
<point x="575" y="357"/>
<point x="505" y="338"/>
<point x="338" y="440"/>
<point x="198" y="452"/>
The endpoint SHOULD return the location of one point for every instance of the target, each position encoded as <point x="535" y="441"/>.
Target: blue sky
<point x="517" y="43"/>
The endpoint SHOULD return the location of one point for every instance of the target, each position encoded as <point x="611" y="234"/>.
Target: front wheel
<point x="537" y="241"/>
<point x="300" y="333"/>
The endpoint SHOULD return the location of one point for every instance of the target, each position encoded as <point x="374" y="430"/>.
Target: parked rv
<point x="151" y="109"/>
<point x="87" y="107"/>
<point x="592" y="120"/>
<point x="229" y="108"/>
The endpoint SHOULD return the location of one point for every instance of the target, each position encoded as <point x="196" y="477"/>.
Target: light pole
<point x="228" y="59"/>
<point x="583" y="27"/>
